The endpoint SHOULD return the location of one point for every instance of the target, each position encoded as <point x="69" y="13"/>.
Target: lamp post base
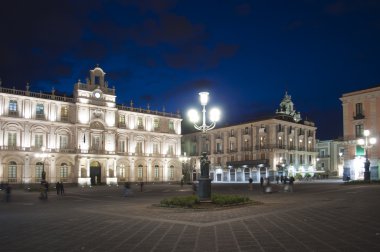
<point x="204" y="189"/>
<point x="367" y="173"/>
<point x="367" y="176"/>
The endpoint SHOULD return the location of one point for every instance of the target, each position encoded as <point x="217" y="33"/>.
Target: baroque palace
<point x="86" y="139"/>
<point x="280" y="145"/>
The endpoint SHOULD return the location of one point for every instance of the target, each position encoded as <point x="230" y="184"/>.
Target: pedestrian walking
<point x="281" y="179"/>
<point x="61" y="188"/>
<point x="127" y="189"/>
<point x="250" y="180"/>
<point x="291" y="183"/>
<point x="57" y="187"/>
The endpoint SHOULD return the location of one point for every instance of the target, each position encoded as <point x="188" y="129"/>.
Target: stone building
<point x="330" y="157"/>
<point x="280" y="145"/>
<point x="361" y="111"/>
<point x="85" y="139"/>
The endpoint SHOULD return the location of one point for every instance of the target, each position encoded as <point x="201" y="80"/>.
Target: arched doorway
<point x="95" y="173"/>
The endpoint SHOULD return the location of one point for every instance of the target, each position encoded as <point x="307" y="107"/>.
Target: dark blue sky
<point x="245" y="53"/>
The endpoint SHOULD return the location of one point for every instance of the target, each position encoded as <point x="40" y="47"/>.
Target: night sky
<point x="162" y="53"/>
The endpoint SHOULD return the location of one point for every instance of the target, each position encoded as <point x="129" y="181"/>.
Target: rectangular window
<point x="171" y="126"/>
<point x="40" y="111"/>
<point x="13" y="107"/>
<point x="156" y="172"/>
<point x="122" y="120"/>
<point x="38" y="171"/>
<point x="155" y="148"/>
<point x="64" y="113"/>
<point x="121" y="146"/>
<point x="359" y="109"/>
<point x="232" y="146"/>
<point x="156" y="124"/>
<point x="12" y="139"/>
<point x="38" y="140"/>
<point x="359" y="129"/>
<point x="309" y="159"/>
<point x="291" y="158"/>
<point x="301" y="159"/>
<point x="219" y="147"/>
<point x="171" y="172"/>
<point x="246" y="130"/>
<point x="64" y="171"/>
<point x="97" y="80"/>
<point x="140" y="172"/>
<point x="139" y="147"/>
<point x="171" y="150"/>
<point x="63" y="142"/>
<point x="140" y="123"/>
<point x="232" y="132"/>
<point x="12" y="172"/>
<point x="96" y="143"/>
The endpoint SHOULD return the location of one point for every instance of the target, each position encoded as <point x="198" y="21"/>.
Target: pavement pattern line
<point x="202" y="224"/>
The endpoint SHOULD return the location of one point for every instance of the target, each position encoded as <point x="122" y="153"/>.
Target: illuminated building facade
<point x="361" y="111"/>
<point x="87" y="139"/>
<point x="280" y="145"/>
<point x="330" y="157"/>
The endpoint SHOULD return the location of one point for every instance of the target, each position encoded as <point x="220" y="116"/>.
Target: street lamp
<point x="204" y="186"/>
<point x="43" y="156"/>
<point x="366" y="144"/>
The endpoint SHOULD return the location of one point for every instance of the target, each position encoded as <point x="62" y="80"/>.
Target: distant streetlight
<point x="204" y="187"/>
<point x="366" y="144"/>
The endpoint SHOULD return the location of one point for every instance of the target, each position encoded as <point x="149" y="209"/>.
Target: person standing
<point x="250" y="180"/>
<point x="61" y="189"/>
<point x="291" y="183"/>
<point x="141" y="186"/>
<point x="57" y="187"/>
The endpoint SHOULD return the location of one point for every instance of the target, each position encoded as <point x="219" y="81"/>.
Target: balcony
<point x="358" y="116"/>
<point x="218" y="152"/>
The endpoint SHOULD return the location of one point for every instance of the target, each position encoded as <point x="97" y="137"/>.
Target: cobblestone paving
<point x="316" y="217"/>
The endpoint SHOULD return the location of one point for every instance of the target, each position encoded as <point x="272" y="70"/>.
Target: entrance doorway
<point x="95" y="173"/>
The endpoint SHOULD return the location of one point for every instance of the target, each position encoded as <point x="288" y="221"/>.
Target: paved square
<point x="316" y="217"/>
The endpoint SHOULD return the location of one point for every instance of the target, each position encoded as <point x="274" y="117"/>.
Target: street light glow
<point x="193" y="116"/>
<point x="214" y="115"/>
<point x="203" y="97"/>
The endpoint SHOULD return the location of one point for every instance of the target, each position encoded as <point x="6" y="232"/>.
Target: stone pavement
<point x="316" y="217"/>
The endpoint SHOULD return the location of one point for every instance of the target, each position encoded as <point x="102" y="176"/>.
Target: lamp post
<point x="366" y="144"/>
<point x="204" y="186"/>
<point x="43" y="156"/>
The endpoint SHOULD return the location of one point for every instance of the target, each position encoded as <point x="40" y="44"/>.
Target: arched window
<point x="39" y="169"/>
<point x="121" y="172"/>
<point x="12" y="171"/>
<point x="64" y="172"/>
<point x="156" y="172"/>
<point x="171" y="172"/>
<point x="140" y="172"/>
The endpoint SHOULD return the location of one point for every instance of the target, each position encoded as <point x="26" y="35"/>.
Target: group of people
<point x="265" y="183"/>
<point x="60" y="189"/>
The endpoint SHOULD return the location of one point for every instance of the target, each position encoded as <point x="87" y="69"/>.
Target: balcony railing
<point x="359" y="116"/>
